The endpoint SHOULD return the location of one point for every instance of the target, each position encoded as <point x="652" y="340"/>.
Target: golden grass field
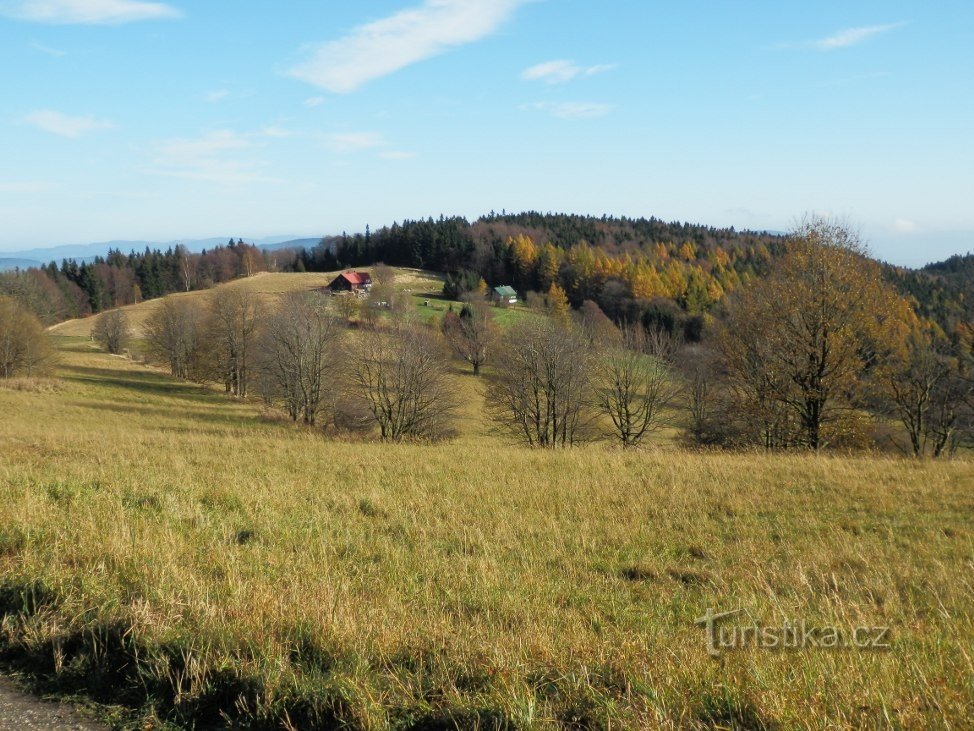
<point x="187" y="559"/>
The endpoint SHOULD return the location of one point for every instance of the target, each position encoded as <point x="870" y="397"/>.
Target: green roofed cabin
<point x="504" y="295"/>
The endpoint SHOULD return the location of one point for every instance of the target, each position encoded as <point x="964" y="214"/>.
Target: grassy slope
<point x="424" y="287"/>
<point x="158" y="539"/>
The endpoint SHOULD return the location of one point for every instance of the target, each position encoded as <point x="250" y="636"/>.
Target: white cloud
<point x="314" y="101"/>
<point x="852" y="36"/>
<point x="272" y="130"/>
<point x="348" y="142"/>
<point x="87" y="12"/>
<point x="217" y="95"/>
<point x="397" y="155"/>
<point x="65" y="125"/>
<point x="558" y="72"/>
<point x="384" y="46"/>
<point x="572" y="110"/>
<point x="905" y="226"/>
<point x="57" y="53"/>
<point x="208" y="158"/>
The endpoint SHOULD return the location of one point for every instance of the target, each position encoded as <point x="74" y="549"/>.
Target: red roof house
<point x="351" y="282"/>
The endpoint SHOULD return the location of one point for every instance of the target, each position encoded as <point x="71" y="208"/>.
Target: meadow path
<point x="22" y="712"/>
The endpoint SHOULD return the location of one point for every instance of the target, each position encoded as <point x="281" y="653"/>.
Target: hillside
<point x="943" y="291"/>
<point x="269" y="287"/>
<point x="188" y="558"/>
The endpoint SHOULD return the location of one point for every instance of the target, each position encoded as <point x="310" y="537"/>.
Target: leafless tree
<point x="399" y="378"/>
<point x="541" y="392"/>
<point x="112" y="331"/>
<point x="472" y="334"/>
<point x="596" y="326"/>
<point x="636" y="383"/>
<point x="187" y="267"/>
<point x="174" y="335"/>
<point x="298" y="356"/>
<point x="24" y="345"/>
<point x="383" y="275"/>
<point x="235" y="317"/>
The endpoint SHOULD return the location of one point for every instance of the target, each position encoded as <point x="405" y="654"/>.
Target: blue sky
<point x="188" y="119"/>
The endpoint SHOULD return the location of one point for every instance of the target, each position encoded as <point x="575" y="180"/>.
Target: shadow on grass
<point x="148" y="382"/>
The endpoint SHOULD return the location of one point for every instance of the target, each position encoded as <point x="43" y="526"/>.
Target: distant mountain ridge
<point x="7" y="264"/>
<point x="87" y="252"/>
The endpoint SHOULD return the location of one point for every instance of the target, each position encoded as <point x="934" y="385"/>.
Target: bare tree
<point x="472" y="334"/>
<point x="541" y="391"/>
<point x="187" y="267"/>
<point x="598" y="329"/>
<point x="112" y="331"/>
<point x="298" y="355"/>
<point x="399" y="378"/>
<point x="174" y="335"/>
<point x="24" y="345"/>
<point x="383" y="275"/>
<point x="636" y="383"/>
<point x="235" y="317"/>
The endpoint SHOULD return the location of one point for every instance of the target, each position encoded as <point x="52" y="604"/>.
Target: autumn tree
<point x="556" y="302"/>
<point x="235" y="317"/>
<point x="636" y="383"/>
<point x="24" y="345"/>
<point x="542" y="388"/>
<point x="472" y="335"/>
<point x="928" y="392"/>
<point x="298" y="356"/>
<point x="112" y="331"/>
<point x="399" y="380"/>
<point x="803" y="341"/>
<point x="596" y="327"/>
<point x="174" y="334"/>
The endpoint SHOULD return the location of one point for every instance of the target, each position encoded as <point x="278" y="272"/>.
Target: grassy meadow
<point x="192" y="561"/>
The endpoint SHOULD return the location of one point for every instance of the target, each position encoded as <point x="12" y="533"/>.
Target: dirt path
<point x="22" y="712"/>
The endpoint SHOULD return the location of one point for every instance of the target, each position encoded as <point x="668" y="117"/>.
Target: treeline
<point x="637" y="270"/>
<point x="59" y="292"/>
<point x="943" y="293"/>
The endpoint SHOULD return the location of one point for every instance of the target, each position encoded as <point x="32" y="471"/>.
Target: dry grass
<point x="166" y="544"/>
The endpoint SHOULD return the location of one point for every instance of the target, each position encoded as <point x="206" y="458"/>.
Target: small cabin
<point x="353" y="282"/>
<point x="504" y="295"/>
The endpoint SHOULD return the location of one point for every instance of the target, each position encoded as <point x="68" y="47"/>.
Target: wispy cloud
<point x="905" y="226"/>
<point x="348" y="142"/>
<point x="214" y="157"/>
<point x="314" y="101"/>
<point x="853" y="36"/>
<point x="65" y="125"/>
<point x="57" y="53"/>
<point x="217" y="95"/>
<point x="558" y="72"/>
<point x="384" y="46"/>
<point x="397" y="155"/>
<point x="845" y="38"/>
<point x="571" y="110"/>
<point x="87" y="12"/>
<point x="272" y="130"/>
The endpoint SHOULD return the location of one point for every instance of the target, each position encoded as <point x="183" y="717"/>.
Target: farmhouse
<point x="354" y="282"/>
<point x="504" y="295"/>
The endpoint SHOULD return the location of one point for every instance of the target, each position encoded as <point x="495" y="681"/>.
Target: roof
<point x="356" y="279"/>
<point x="505" y="291"/>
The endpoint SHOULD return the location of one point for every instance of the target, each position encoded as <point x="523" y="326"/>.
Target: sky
<point x="130" y="119"/>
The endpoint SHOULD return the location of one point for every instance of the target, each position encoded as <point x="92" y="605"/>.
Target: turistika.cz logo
<point x="724" y="635"/>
